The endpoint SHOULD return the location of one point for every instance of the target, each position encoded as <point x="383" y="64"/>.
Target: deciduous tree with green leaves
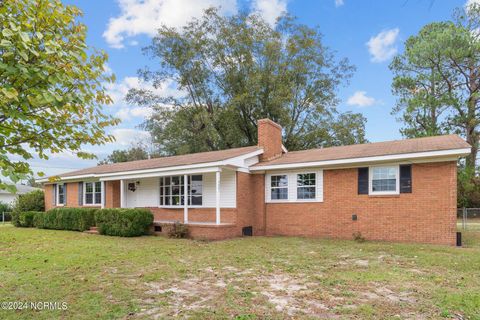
<point x="51" y="85"/>
<point x="238" y="69"/>
<point x="137" y="151"/>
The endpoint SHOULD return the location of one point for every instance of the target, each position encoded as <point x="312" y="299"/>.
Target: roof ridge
<point x="379" y="142"/>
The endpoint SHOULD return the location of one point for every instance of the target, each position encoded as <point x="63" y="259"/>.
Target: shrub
<point x="76" y="219"/>
<point x="178" y="230"/>
<point x="357" y="236"/>
<point x="26" y="219"/>
<point x="31" y="201"/>
<point x="6" y="209"/>
<point x="123" y="222"/>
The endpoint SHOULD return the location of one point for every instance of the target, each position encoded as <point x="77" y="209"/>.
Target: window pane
<point x="89" y="198"/>
<point x="98" y="187"/>
<point x="176" y="181"/>
<point x="196" y="186"/>
<point x="306" y="193"/>
<point x="384" y="179"/>
<point x="88" y="187"/>
<point x="279" y="181"/>
<point x="279" y="193"/>
<point x="196" y="200"/>
<point x="175" y="190"/>
<point x="384" y="185"/>
<point x="306" y="179"/>
<point x="175" y="200"/>
<point x="61" y="194"/>
<point x="98" y="197"/>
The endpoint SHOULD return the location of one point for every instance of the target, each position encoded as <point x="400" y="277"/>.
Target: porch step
<point x="93" y="230"/>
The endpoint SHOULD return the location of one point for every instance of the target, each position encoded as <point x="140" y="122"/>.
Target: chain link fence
<point x="468" y="219"/>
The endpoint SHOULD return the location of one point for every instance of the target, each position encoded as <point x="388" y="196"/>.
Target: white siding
<point x="292" y="185"/>
<point x="228" y="189"/>
<point x="7" y="198"/>
<point x="147" y="193"/>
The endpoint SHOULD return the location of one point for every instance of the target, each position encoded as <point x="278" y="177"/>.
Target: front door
<point x="131" y="193"/>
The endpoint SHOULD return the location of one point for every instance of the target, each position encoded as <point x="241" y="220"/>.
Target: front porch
<point x="204" y="199"/>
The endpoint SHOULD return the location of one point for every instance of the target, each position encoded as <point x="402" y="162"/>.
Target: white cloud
<point x="269" y="10"/>
<point x="118" y="91"/>
<point x="470" y="3"/>
<point x="382" y="46"/>
<point x="125" y="137"/>
<point x="360" y="99"/>
<point x="146" y="16"/>
<point x="339" y="3"/>
<point x="136" y="112"/>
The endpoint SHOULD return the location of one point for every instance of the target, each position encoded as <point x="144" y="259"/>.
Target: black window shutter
<point x="363" y="180"/>
<point x="80" y="193"/>
<point x="54" y="194"/>
<point x="405" y="178"/>
<point x="65" y="193"/>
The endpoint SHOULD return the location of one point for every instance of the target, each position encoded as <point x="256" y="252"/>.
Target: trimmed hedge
<point x="76" y="219"/>
<point x="123" y="222"/>
<point x="25" y="219"/>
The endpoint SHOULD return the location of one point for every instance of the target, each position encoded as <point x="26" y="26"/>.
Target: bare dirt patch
<point x="286" y="294"/>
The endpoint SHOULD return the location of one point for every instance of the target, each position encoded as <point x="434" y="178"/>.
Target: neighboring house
<point x="8" y="197"/>
<point x="396" y="191"/>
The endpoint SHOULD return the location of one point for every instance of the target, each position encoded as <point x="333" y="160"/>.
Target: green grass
<point x="103" y="277"/>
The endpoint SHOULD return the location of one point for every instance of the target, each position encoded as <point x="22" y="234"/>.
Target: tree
<point x="31" y="181"/>
<point x="51" y="86"/>
<point x="134" y="152"/>
<point x="437" y="80"/>
<point x="234" y="70"/>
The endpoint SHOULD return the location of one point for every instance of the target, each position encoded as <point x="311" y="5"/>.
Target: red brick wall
<point x="270" y="139"/>
<point x="251" y="202"/>
<point x="112" y="194"/>
<point x="227" y="215"/>
<point x="426" y="215"/>
<point x="72" y="196"/>
<point x="48" y="194"/>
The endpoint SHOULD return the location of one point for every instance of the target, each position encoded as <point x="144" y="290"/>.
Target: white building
<point x="8" y="197"/>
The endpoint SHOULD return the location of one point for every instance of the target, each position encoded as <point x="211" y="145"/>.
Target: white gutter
<point x="394" y="157"/>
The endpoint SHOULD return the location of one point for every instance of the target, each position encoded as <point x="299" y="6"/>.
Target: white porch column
<point x="103" y="194"/>
<point x="217" y="197"/>
<point x="185" y="198"/>
<point x="122" y="196"/>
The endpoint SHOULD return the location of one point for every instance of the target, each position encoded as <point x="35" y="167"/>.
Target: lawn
<point x="103" y="277"/>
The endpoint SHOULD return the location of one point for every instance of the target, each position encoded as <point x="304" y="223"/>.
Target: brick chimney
<point x="270" y="139"/>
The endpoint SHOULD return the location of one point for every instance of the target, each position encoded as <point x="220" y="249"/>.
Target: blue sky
<point x="367" y="32"/>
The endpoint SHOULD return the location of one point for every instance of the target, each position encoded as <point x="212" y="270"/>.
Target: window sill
<point x="182" y="207"/>
<point x="395" y="195"/>
<point x="295" y="201"/>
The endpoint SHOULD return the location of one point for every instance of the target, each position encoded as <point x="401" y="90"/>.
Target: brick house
<point x="401" y="190"/>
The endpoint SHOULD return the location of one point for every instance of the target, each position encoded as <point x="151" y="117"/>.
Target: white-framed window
<point x="92" y="193"/>
<point x="384" y="180"/>
<point x="294" y="186"/>
<point x="61" y="194"/>
<point x="279" y="187"/>
<point x="306" y="186"/>
<point x="172" y="190"/>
